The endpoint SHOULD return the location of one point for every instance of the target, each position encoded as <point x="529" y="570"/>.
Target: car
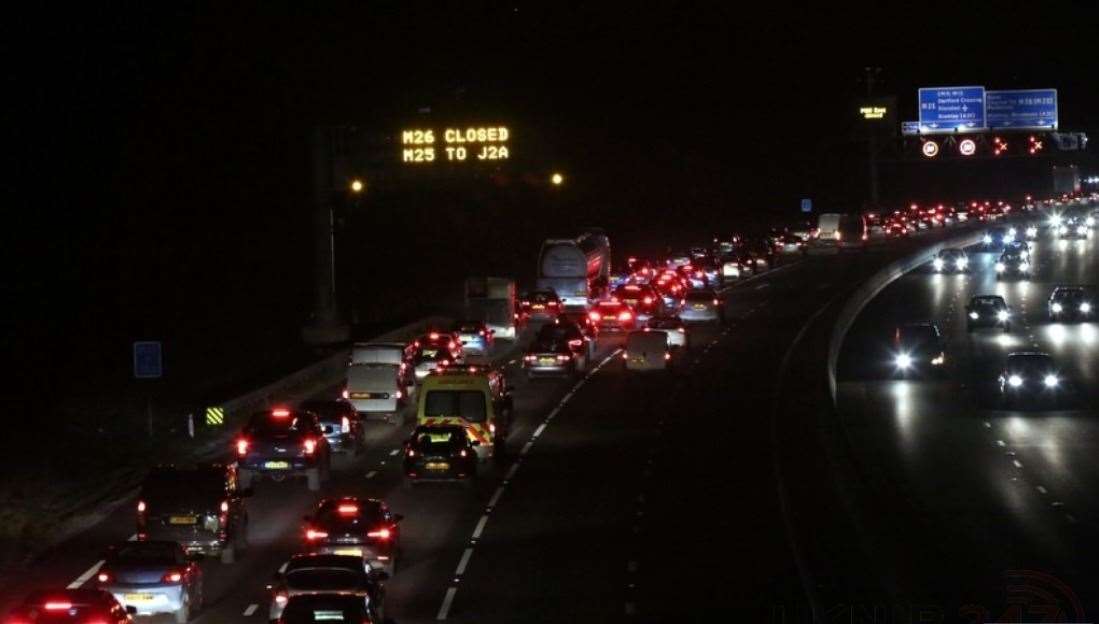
<point x="987" y="311"/>
<point x="581" y="336"/>
<point x="310" y="574"/>
<point x="1073" y="228"/>
<point x="440" y="453"/>
<point x="552" y="357"/>
<point x="1031" y="232"/>
<point x="1071" y="303"/>
<point x="282" y="443"/>
<point x="1012" y="264"/>
<point x="674" y="327"/>
<point x="447" y="342"/>
<point x="994" y="238"/>
<point x="642" y="298"/>
<point x="1029" y="375"/>
<point x="703" y="306"/>
<point x="475" y="337"/>
<point x="199" y="506"/>
<point x="790" y="244"/>
<point x="647" y="351"/>
<point x="357" y="526"/>
<point x="65" y="606"/>
<point x="153" y="577"/>
<point x="895" y="228"/>
<point x="539" y="305"/>
<point x="477" y="398"/>
<point x="950" y="260"/>
<point x="340" y="422"/>
<point x="613" y="316"/>
<point x="918" y="349"/>
<point x="693" y="276"/>
<point x="1020" y="247"/>
<point x="732" y="269"/>
<point x="329" y="608"/>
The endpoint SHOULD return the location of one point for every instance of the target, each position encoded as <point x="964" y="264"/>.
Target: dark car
<point x="341" y="424"/>
<point x="995" y="238"/>
<point x="987" y="311"/>
<point x="580" y="335"/>
<point x="351" y="525"/>
<point x="950" y="260"/>
<point x="329" y="609"/>
<point x="918" y="349"/>
<point x="440" y="453"/>
<point x="552" y="357"/>
<point x="312" y="573"/>
<point x="1029" y="375"/>
<point x="1071" y="303"/>
<point x="539" y="305"/>
<point x="153" y="577"/>
<point x="643" y="298"/>
<point x="283" y="443"/>
<point x="199" y="506"/>
<point x="1013" y="264"/>
<point x="70" y="606"/>
<point x="613" y="316"/>
<point x="475" y="336"/>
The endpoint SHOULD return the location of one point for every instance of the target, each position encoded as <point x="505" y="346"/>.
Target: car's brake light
<point x="625" y="315"/>
<point x="563" y="357"/>
<point x="625" y="356"/>
<point x="462" y="453"/>
<point x="382" y="534"/>
<point x="310" y="445"/>
<point x="171" y="576"/>
<point x="58" y="605"/>
<point x="552" y="304"/>
<point x="595" y="316"/>
<point x="280" y="413"/>
<point x="492" y="427"/>
<point x="348" y="509"/>
<point x="281" y="600"/>
<point x="346" y="393"/>
<point x="141" y="506"/>
<point x="104" y="577"/>
<point x="433" y="335"/>
<point x="399" y="394"/>
<point x="224" y="506"/>
<point x="717" y="301"/>
<point x="575" y="342"/>
<point x="242" y="447"/>
<point x="529" y="358"/>
<point x="647" y="299"/>
<point x="313" y="534"/>
<point x="667" y="356"/>
<point x="345" y="424"/>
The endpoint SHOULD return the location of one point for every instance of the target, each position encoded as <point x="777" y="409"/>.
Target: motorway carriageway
<point x="624" y="498"/>
<point x="980" y="509"/>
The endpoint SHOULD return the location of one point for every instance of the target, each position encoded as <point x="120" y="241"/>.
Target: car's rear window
<point x="701" y="295"/>
<point x="148" y="553"/>
<point x="439" y="441"/>
<point x="466" y="404"/>
<point x="317" y="579"/>
<point x="164" y="490"/>
<point x="269" y="424"/>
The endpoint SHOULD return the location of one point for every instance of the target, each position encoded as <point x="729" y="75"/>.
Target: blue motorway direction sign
<point x="952" y="109"/>
<point x="148" y="363"/>
<point x="1022" y="108"/>
<point x="910" y="127"/>
<point x="807" y="205"/>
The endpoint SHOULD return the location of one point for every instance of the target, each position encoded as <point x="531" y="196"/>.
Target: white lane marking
<point x="88" y="574"/>
<point x="511" y="472"/>
<point x="250" y="610"/>
<point x="1000" y="443"/>
<point x="1042" y="490"/>
<point x="394" y="452"/>
<point x="496" y="496"/>
<point x="447" y="600"/>
<point x="526" y="447"/>
<point x="1017" y="463"/>
<point x="539" y="430"/>
<point x="370" y="475"/>
<point x="282" y="568"/>
<point x="132" y="538"/>
<point x="762" y="286"/>
<point x="480" y="528"/>
<point x="463" y="562"/>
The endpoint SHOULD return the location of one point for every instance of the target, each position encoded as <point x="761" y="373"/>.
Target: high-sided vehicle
<point x="440" y="453"/>
<point x="647" y="351"/>
<point x="356" y="526"/>
<point x="70" y="606"/>
<point x="476" y="398"/>
<point x="1071" y="303"/>
<point x="280" y="444"/>
<point x="950" y="260"/>
<point x="399" y="354"/>
<point x="1029" y="375"/>
<point x="376" y="391"/>
<point x="576" y="268"/>
<point x="312" y="574"/>
<point x="153" y="577"/>
<point x="493" y="301"/>
<point x="674" y="327"/>
<point x="340" y="422"/>
<point x="987" y="311"/>
<point x="199" y="506"/>
<point x="918" y="349"/>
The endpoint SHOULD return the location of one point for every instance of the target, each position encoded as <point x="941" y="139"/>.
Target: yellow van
<point x="474" y="397"/>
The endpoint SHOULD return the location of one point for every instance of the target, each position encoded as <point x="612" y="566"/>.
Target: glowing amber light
<point x="459" y="144"/>
<point x="557" y="179"/>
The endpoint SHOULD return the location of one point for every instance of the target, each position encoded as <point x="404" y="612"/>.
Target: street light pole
<point x="326" y="326"/>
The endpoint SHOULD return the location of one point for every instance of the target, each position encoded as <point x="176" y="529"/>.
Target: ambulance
<point x="476" y="398"/>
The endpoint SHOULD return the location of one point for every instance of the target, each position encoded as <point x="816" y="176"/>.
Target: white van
<point x="828" y="227"/>
<point x="647" y="351"/>
<point x="375" y="391"/>
<point x="396" y="354"/>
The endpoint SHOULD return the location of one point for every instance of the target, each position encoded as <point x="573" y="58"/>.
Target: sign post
<point x="807" y="205"/>
<point x="148" y="364"/>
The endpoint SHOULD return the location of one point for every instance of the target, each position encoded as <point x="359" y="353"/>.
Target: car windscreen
<point x="466" y="404"/>
<point x="469" y="327"/>
<point x="1031" y="364"/>
<point x="312" y="579"/>
<point x="552" y="345"/>
<point x="989" y="304"/>
<point x="1068" y="295"/>
<point x="325" y="410"/>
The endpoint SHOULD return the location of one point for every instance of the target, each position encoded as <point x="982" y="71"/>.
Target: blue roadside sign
<point x="1027" y="109"/>
<point x="909" y="128"/>
<point x="148" y="360"/>
<point x="807" y="205"/>
<point x="952" y="109"/>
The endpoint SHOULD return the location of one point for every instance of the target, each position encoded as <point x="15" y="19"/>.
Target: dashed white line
<point x="83" y="578"/>
<point x="394" y="452"/>
<point x="463" y="562"/>
<point x="496" y="496"/>
<point x="539" y="430"/>
<point x="447" y="600"/>
<point x="480" y="528"/>
<point x="526" y="448"/>
<point x="1017" y="463"/>
<point x="282" y="568"/>
<point x="1042" y="490"/>
<point x="250" y="610"/>
<point x="371" y="474"/>
<point x="511" y="472"/>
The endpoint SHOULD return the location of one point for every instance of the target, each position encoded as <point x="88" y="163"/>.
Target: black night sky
<point x="160" y="161"/>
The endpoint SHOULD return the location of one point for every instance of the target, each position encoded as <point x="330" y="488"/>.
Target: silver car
<point x="153" y="577"/>
<point x="702" y="306"/>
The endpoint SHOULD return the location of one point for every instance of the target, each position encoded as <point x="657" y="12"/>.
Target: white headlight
<point x="1051" y="380"/>
<point x="1015" y="381"/>
<point x="904" y="360"/>
<point x="1002" y="315"/>
<point x="1085" y="307"/>
<point x="1057" y="307"/>
<point x="1090" y="221"/>
<point x="1000" y="268"/>
<point x="1012" y="232"/>
<point x="938" y="264"/>
<point x="961" y="262"/>
<point x="974" y="315"/>
<point x="1024" y="266"/>
<point x="1032" y="231"/>
<point x="1081" y="229"/>
<point x="987" y="239"/>
<point x="1055" y="220"/>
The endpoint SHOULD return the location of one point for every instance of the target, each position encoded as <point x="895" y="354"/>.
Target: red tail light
<point x="529" y="358"/>
<point x="553" y="304"/>
<point x="141" y="506"/>
<point x="410" y="453"/>
<point x="433" y="335"/>
<point x="667" y="356"/>
<point x="648" y="300"/>
<point x="172" y="576"/>
<point x="104" y="576"/>
<point x="348" y="509"/>
<point x="625" y="356"/>
<point x="451" y="345"/>
<point x="281" y="599"/>
<point x="242" y="447"/>
<point x="625" y="315"/>
<point x="717" y="301"/>
<point x="575" y="342"/>
<point x="313" y="534"/>
<point x="224" y="507"/>
<point x="280" y="413"/>
<point x="309" y="445"/>
<point x="382" y="534"/>
<point x="563" y="357"/>
<point x="58" y="605"/>
<point x="462" y="453"/>
<point x="399" y="394"/>
<point x="347" y="394"/>
<point x="345" y="424"/>
<point x="595" y="316"/>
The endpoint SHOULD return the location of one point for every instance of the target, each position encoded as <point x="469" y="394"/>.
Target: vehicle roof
<point x="456" y="381"/>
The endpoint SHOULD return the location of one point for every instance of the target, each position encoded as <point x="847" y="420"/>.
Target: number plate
<point x="182" y="520"/>
<point x="437" y="466"/>
<point x="354" y="552"/>
<point x="128" y="598"/>
<point x="547" y="361"/>
<point x="700" y="306"/>
<point x="276" y="465"/>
